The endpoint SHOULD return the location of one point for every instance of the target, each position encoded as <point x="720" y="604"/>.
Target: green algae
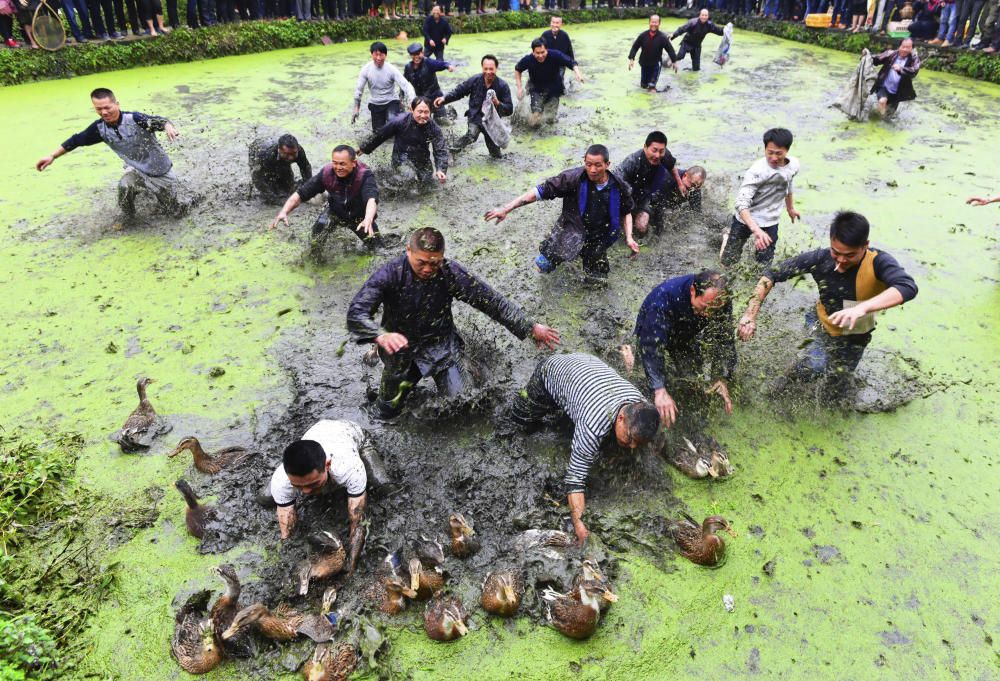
<point x="879" y="526"/>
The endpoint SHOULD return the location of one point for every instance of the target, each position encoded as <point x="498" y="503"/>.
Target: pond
<point x="874" y="524"/>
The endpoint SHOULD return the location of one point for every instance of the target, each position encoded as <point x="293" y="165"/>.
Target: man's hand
<point x="392" y="342"/>
<point x="358" y="152"/>
<point x="794" y="215"/>
<point x="520" y="92"/>
<point x="44" y="163"/>
<point x="441" y="176"/>
<point x="897" y="68"/>
<point x="580" y="78"/>
<point x="973" y="201"/>
<point x="286" y="520"/>
<point x="451" y="69"/>
<point x="630" y="242"/>
<point x="438" y="102"/>
<point x="281" y="217"/>
<point x="761" y="240"/>
<point x="354" y="118"/>
<point x="498" y="214"/>
<point x="582" y="533"/>
<point x="683" y="190"/>
<point x="847" y="317"/>
<point x="631" y="63"/>
<point x="665" y="404"/>
<point x="673" y="65"/>
<point x="628" y="357"/>
<point x="367" y="227"/>
<point x="171" y="131"/>
<point x="496" y="101"/>
<point x="444" y="41"/>
<point x="722" y="390"/>
<point x="747" y="327"/>
<point x="432" y="43"/>
<point x="546" y="336"/>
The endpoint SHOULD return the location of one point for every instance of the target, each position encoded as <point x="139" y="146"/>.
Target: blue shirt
<point x="545" y="76"/>
<point x="892" y="80"/>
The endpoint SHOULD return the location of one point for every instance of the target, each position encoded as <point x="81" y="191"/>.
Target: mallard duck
<point x="502" y="593"/>
<point x="142" y="425"/>
<point x="388" y="593"/>
<point x="323" y="626"/>
<point x="196" y="515"/>
<point x="281" y="624"/>
<point x="325" y="564"/>
<point x="590" y="573"/>
<point x="701" y="544"/>
<point x="327" y="665"/>
<point x="425" y="583"/>
<point x="464" y="542"/>
<point x="429" y="551"/>
<point x="444" y="619"/>
<point x="550" y="543"/>
<point x="210" y="463"/>
<point x="225" y="609"/>
<point x="576" y="614"/>
<point x="710" y="460"/>
<point x="194" y="645"/>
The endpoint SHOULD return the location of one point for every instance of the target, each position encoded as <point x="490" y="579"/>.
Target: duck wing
<point x="317" y="627"/>
<point x="230" y="456"/>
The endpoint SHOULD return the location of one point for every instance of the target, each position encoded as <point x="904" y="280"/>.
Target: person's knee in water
<point x="270" y="167"/>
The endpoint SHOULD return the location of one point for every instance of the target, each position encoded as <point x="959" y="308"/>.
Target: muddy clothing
<point x="476" y="90"/>
<point x="763" y="193"/>
<point x="694" y="31"/>
<point x="341" y="442"/>
<point x="347" y="198"/>
<point x="903" y="82"/>
<point x="272" y="175"/>
<point x="424" y="79"/>
<point x="647" y="181"/>
<point x="383" y="102"/>
<point x="591" y="219"/>
<point x="588" y="391"/>
<point x="132" y="138"/>
<point x="650" y="47"/>
<point x="438" y="31"/>
<point x="558" y="41"/>
<point x="674" y="199"/>
<point x="545" y="77"/>
<point x="410" y="145"/>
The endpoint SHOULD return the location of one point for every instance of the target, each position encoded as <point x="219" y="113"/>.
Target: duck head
<point x="329" y="598"/>
<point x="452" y="622"/>
<point x="244" y="618"/>
<point x="716" y="523"/>
<point x="396" y="588"/>
<point x="188" y="443"/>
<point x="459" y="526"/>
<point x="228" y="575"/>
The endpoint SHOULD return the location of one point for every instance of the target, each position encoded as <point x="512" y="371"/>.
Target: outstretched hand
<point x="392" y="342"/>
<point x="545" y="335"/>
<point x="848" y="317"/>
<point x="44" y="163"/>
<point x="498" y="214"/>
<point x="631" y="243"/>
<point x="722" y="390"/>
<point x="438" y="102"/>
<point x="281" y="217"/>
<point x="747" y="328"/>
<point x="762" y="240"/>
<point x="171" y="131"/>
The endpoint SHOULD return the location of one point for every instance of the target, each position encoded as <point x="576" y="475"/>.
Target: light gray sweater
<point x="764" y="190"/>
<point x="381" y="84"/>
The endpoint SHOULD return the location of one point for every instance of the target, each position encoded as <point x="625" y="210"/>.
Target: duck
<point x="699" y="543"/>
<point x="429" y="551"/>
<point x="590" y="573"/>
<point x="322" y="627"/>
<point x="444" y="618"/>
<point x="210" y="464"/>
<point x="196" y="514"/>
<point x="224" y="610"/>
<point x="142" y="425"/>
<point x="464" y="542"/>
<point x="194" y="645"/>
<point x="388" y="593"/>
<point x="694" y="464"/>
<point x="281" y="624"/>
<point x="425" y="583"/>
<point x="576" y="614"/>
<point x="550" y="543"/>
<point x="329" y="665"/>
<point x="502" y="593"/>
<point x="325" y="564"/>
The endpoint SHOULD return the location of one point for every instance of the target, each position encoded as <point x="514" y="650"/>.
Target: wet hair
<point x="642" y="419"/>
<point x="657" y="137"/>
<point x="554" y="16"/>
<point x="850" y="228"/>
<point x="536" y="43"/>
<point x="346" y="147"/>
<point x="422" y="100"/>
<point x="378" y="46"/>
<point x="707" y="279"/>
<point x="597" y="150"/>
<point x="427" y="239"/>
<point x="496" y="62"/>
<point x="103" y="93"/>
<point x="781" y="137"/>
<point x="288" y="141"/>
<point x="697" y="171"/>
<point x="302" y="457"/>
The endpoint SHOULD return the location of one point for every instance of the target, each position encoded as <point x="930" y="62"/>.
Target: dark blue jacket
<point x="475" y="89"/>
<point x="411" y="141"/>
<point x="545" y="76"/>
<point x="424" y="79"/>
<point x="436" y="31"/>
<point x="559" y="42"/>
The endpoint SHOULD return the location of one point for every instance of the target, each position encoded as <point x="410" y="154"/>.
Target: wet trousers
<point x="694" y="51"/>
<point x="472" y="135"/>
<point x="408" y="175"/>
<point x="534" y="403"/>
<point x="737" y="239"/>
<point x="649" y="74"/>
<point x="594" y="253"/>
<point x="540" y="101"/>
<point x="683" y="371"/>
<point x="829" y="356"/>
<point x="275" y="185"/>
<point x="400" y="367"/>
<point x="327" y="222"/>
<point x="163" y="188"/>
<point x="382" y="112"/>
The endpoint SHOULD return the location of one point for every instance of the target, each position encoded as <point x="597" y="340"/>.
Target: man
<point x="131" y="135"/>
<point x="352" y="199"/>
<point x="694" y="32"/>
<point x="330" y="455"/>
<point x="766" y="186"/>
<point x="422" y="72"/>
<point x="381" y="78"/>
<point x="271" y="166"/>
<point x="557" y="39"/>
<point x="437" y="33"/>
<point x="477" y="89"/>
<point x="603" y="407"/>
<point x="688" y="191"/>
<point x="417" y="337"/>
<point x="597" y="205"/>
<point x="678" y="320"/>
<point x="412" y="133"/>
<point x="854" y="282"/>
<point x="545" y="83"/>
<point x="649" y="171"/>
<point x="650" y="46"/>
<point x="894" y="83"/>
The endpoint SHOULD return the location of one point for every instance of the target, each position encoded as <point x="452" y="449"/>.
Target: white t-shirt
<point x="764" y="190"/>
<point x="341" y="441"/>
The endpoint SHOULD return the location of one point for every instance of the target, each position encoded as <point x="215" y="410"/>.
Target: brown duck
<point x="425" y="583"/>
<point x="708" y="460"/>
<point x="327" y="562"/>
<point x="281" y="624"/>
<point x="329" y="664"/>
<point x="196" y="515"/>
<point x="464" y="542"/>
<point x="701" y="544"/>
<point x="576" y="615"/>
<point x="143" y="425"/>
<point x="210" y="464"/>
<point x="194" y="645"/>
<point x="224" y="611"/>
<point x="444" y="619"/>
<point x="590" y="573"/>
<point x="502" y="593"/>
<point x="388" y="593"/>
<point x="322" y="627"/>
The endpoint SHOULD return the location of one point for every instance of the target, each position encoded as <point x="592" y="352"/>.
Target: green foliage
<point x="27" y="650"/>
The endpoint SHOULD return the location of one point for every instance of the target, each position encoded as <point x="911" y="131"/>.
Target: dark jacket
<point x="347" y="198"/>
<point x="424" y="79"/>
<point x="672" y="195"/>
<point x="559" y="42"/>
<point x="905" y="92"/>
<point x="436" y="31"/>
<point x="264" y="156"/>
<point x="421" y="310"/>
<point x="646" y="180"/>
<point x="475" y="89"/>
<point x="572" y="186"/>
<point x="694" y="31"/>
<point x="545" y="76"/>
<point x="668" y="325"/>
<point x="652" y="47"/>
<point x="410" y="141"/>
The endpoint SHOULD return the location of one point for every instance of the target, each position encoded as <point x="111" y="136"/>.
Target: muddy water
<point x="867" y="540"/>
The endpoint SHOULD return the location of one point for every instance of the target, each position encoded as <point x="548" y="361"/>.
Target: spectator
<point x="949" y="21"/>
<point x="923" y="26"/>
<point x="988" y="25"/>
<point x="859" y="12"/>
<point x="968" y="15"/>
<point x="74" y="10"/>
<point x="381" y="78"/>
<point x="104" y="26"/>
<point x="7" y="11"/>
<point x="150" y="10"/>
<point x="437" y="33"/>
<point x="25" y="14"/>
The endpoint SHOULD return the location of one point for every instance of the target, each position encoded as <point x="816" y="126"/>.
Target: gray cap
<point x="414" y="48"/>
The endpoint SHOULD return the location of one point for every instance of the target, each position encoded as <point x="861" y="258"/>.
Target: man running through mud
<point x="650" y="46"/>
<point x="597" y="207"/>
<point x="694" y="32"/>
<point x="421" y="72"/>
<point x="417" y="337"/>
<point x="680" y="320"/>
<point x="271" y="166"/>
<point x="381" y="78"/>
<point x="603" y="407"/>
<point x="352" y="199"/>
<point x="855" y="281"/>
<point x="331" y="455"/>
<point x="413" y="135"/>
<point x="545" y="80"/>
<point x="486" y="87"/>
<point x="649" y="172"/>
<point x="131" y="135"/>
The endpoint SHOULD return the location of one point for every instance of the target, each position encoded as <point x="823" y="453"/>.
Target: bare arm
<point x="286" y="520"/>
<point x="356" y="514"/>
<point x="629" y="241"/>
<point x="517" y="81"/>
<point x="748" y="322"/>
<point x="790" y="207"/>
<point x="976" y="201"/>
<point x="499" y="214"/>
<point x="577" y="502"/>
<point x="293" y="202"/>
<point x="371" y="208"/>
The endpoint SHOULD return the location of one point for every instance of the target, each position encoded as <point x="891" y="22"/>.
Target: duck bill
<point x="610" y="597"/>
<point x="713" y="471"/>
<point x="304" y="575"/>
<point x="468" y="531"/>
<point x="409" y="593"/>
<point x="415" y="568"/>
<point x="461" y="628"/>
<point x="229" y="633"/>
<point x="508" y="594"/>
<point x="732" y="532"/>
<point x="175" y="452"/>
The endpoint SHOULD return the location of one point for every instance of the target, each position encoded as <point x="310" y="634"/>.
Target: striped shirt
<point x="591" y="393"/>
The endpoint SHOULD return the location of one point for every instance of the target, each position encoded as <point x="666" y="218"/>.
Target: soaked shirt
<point x="764" y="190"/>
<point x="423" y="78"/>
<point x="558" y="41"/>
<point x="650" y="47"/>
<point x="132" y="138"/>
<point x="264" y="156"/>
<point x="411" y="142"/>
<point x="646" y="180"/>
<point x="695" y="30"/>
<point x="475" y="89"/>
<point x="341" y="441"/>
<point x="545" y="76"/>
<point x="381" y="83"/>
<point x="344" y="204"/>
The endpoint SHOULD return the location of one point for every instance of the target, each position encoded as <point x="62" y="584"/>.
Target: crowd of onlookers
<point x="955" y="23"/>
